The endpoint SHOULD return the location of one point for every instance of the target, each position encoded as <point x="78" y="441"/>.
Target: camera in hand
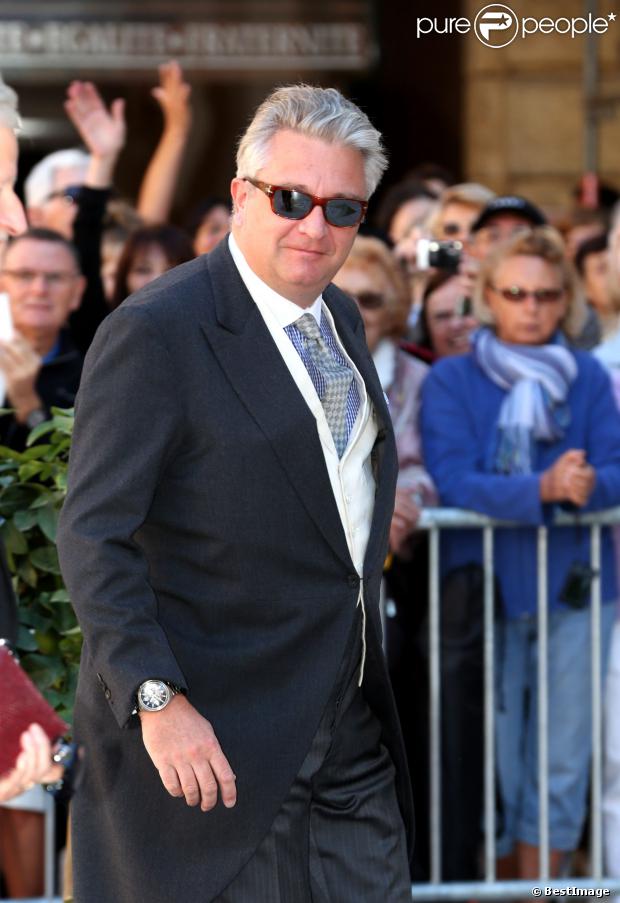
<point x="440" y="255"/>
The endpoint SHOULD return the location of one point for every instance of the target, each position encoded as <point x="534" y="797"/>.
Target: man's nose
<point x="12" y="216"/>
<point x="39" y="284"/>
<point x="314" y="225"/>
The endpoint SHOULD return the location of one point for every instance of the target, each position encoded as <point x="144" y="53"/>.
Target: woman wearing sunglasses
<point x="372" y="277"/>
<point x="518" y="428"/>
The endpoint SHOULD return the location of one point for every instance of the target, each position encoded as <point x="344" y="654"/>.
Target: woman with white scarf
<point x="520" y="426"/>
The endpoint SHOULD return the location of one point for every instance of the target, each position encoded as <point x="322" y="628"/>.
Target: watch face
<point x="154" y="695"/>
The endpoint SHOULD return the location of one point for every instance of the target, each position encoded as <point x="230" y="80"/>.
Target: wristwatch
<point x="154" y="695"/>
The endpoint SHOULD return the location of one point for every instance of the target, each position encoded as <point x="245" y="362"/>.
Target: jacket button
<point x="353" y="579"/>
<point x="108" y="693"/>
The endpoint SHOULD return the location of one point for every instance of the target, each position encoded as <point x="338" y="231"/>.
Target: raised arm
<point x="102" y="130"/>
<point x="160" y="179"/>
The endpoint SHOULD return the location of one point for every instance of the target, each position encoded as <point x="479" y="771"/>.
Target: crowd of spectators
<point x="487" y="352"/>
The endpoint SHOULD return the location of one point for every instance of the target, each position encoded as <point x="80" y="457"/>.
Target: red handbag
<point x="21" y="705"/>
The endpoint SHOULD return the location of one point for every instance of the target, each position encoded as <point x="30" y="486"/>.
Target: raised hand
<point x="102" y="130"/>
<point x="173" y="96"/>
<point x="160" y="179"/>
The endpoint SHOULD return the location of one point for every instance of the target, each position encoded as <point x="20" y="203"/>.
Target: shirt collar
<point x="285" y="311"/>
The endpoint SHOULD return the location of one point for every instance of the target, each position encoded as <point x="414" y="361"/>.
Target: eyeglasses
<point x="69" y="194"/>
<point x="294" y="204"/>
<point x="540" y="295"/>
<point x="27" y="277"/>
<point x="369" y="300"/>
<point x="451" y="229"/>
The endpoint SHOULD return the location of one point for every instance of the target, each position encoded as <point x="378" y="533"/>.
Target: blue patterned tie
<point x="337" y="377"/>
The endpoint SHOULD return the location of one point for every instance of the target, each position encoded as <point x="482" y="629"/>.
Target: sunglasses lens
<point x="369" y="300"/>
<point x="514" y="294"/>
<point x="343" y="212"/>
<point x="547" y="295"/>
<point x="291" y="204"/>
<point x="542" y="295"/>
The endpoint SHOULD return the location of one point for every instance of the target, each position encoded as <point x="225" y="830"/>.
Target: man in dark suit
<point x="231" y="486"/>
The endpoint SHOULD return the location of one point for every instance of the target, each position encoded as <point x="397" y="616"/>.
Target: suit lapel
<point x="251" y="361"/>
<point x="385" y="447"/>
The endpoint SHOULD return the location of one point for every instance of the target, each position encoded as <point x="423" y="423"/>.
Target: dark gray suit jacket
<point x="201" y="543"/>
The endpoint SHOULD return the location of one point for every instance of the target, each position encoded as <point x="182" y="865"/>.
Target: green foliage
<point x="32" y="489"/>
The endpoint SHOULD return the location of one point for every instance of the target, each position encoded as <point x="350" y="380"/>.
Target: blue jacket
<point x="460" y="409"/>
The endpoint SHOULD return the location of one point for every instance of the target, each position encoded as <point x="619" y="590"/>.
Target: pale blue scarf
<point x="537" y="379"/>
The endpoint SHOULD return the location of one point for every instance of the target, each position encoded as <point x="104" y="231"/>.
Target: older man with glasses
<point x="40" y="366"/>
<point x="230" y="495"/>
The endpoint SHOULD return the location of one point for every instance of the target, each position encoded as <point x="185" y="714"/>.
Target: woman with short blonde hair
<point x="518" y="428"/>
<point x="458" y="207"/>
<point x="546" y="244"/>
<point x="369" y="253"/>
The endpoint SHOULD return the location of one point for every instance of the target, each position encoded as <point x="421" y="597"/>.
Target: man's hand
<point x="20" y="364"/>
<point x="404" y="520"/>
<point x="172" y="94"/>
<point x="187" y="755"/>
<point x="569" y="479"/>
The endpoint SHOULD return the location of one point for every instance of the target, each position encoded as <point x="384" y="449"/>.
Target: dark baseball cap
<point x="510" y="203"/>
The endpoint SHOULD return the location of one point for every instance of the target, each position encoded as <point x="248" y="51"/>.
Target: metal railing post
<point x="434" y="521"/>
<point x="489" y="705"/>
<point x="543" y="707"/>
<point x="434" y="706"/>
<point x="596" y="826"/>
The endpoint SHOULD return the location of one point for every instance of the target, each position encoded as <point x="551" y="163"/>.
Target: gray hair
<point x="318" y="113"/>
<point x="39" y="183"/>
<point x="9" y="116"/>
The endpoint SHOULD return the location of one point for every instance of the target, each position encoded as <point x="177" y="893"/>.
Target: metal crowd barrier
<point x="434" y="520"/>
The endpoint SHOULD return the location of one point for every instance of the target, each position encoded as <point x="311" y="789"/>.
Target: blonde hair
<point x="318" y="113"/>
<point x="469" y="194"/>
<point x="369" y="252"/>
<point x="543" y="242"/>
<point x="9" y="117"/>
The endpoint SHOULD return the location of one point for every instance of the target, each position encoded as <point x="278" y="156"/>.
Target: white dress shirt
<point x="351" y="476"/>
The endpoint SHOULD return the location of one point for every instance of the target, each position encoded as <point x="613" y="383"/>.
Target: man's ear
<point x="239" y="191"/>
